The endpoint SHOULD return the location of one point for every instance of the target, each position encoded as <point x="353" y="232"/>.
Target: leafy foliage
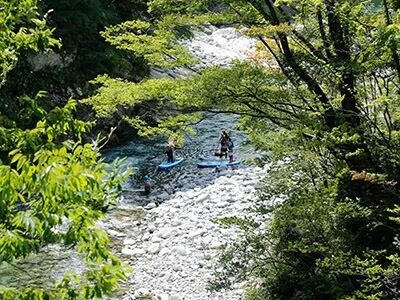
<point x="54" y="186"/>
<point x="49" y="185"/>
<point x="22" y="29"/>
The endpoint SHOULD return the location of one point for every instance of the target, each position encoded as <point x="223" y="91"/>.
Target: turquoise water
<point x="144" y="155"/>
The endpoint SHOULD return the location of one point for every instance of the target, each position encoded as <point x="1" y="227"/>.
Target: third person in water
<point x="223" y="140"/>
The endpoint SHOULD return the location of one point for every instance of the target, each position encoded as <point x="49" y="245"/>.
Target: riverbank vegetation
<point x="323" y="92"/>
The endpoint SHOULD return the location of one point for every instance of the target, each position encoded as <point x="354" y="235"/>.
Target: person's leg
<point x="224" y="152"/>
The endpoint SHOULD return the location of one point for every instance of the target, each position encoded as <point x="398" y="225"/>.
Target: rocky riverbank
<point x="172" y="242"/>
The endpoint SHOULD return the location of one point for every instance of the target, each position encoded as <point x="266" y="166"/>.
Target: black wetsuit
<point x="224" y="147"/>
<point x="170" y="154"/>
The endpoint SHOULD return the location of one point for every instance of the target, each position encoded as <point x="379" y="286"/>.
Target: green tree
<point x="54" y="187"/>
<point x="83" y="55"/>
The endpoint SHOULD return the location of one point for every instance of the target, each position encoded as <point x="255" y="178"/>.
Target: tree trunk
<point x="342" y="59"/>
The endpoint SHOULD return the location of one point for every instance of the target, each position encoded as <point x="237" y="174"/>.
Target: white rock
<point x="164" y="251"/>
<point x="112" y="232"/>
<point x="189" y="195"/>
<point x="177" y="268"/>
<point x="163" y="297"/>
<point x="138" y="251"/>
<point x="165" y="233"/>
<point x="151" y="228"/>
<point x="164" y="196"/>
<point x="180" y="250"/>
<point x="128" y="251"/>
<point x="146" y="236"/>
<point x="216" y="245"/>
<point x="151" y="205"/>
<point x="196" y="233"/>
<point x="222" y="204"/>
<point x="141" y="292"/>
<point x="176" y="222"/>
<point x="206" y="241"/>
<point x="154" y="248"/>
<point x="192" y="217"/>
<point x="203" y="197"/>
<point x="130" y="242"/>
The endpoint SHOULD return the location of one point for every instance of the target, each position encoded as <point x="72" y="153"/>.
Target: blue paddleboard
<point x="209" y="157"/>
<point x="217" y="163"/>
<point x="166" y="165"/>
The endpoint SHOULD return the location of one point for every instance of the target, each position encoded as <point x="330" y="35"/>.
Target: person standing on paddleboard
<point x="223" y="140"/>
<point x="170" y="152"/>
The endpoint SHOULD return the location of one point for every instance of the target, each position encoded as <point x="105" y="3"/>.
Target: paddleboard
<point x="209" y="157"/>
<point x="217" y="163"/>
<point x="166" y="165"/>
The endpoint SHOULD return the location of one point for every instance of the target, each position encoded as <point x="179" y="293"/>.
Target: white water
<point x="212" y="46"/>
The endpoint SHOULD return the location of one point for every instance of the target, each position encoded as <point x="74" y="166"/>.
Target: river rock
<point x="129" y="241"/>
<point x="128" y="251"/>
<point x="180" y="250"/>
<point x="115" y="233"/>
<point x="216" y="244"/>
<point x="156" y="239"/>
<point x="203" y="197"/>
<point x="165" y="233"/>
<point x="154" y="248"/>
<point x="164" y="251"/>
<point x="222" y="204"/>
<point x="176" y="222"/>
<point x="163" y="196"/>
<point x="151" y="205"/>
<point x="163" y="297"/>
<point x="206" y="241"/>
<point x="196" y="233"/>
<point x="141" y="293"/>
